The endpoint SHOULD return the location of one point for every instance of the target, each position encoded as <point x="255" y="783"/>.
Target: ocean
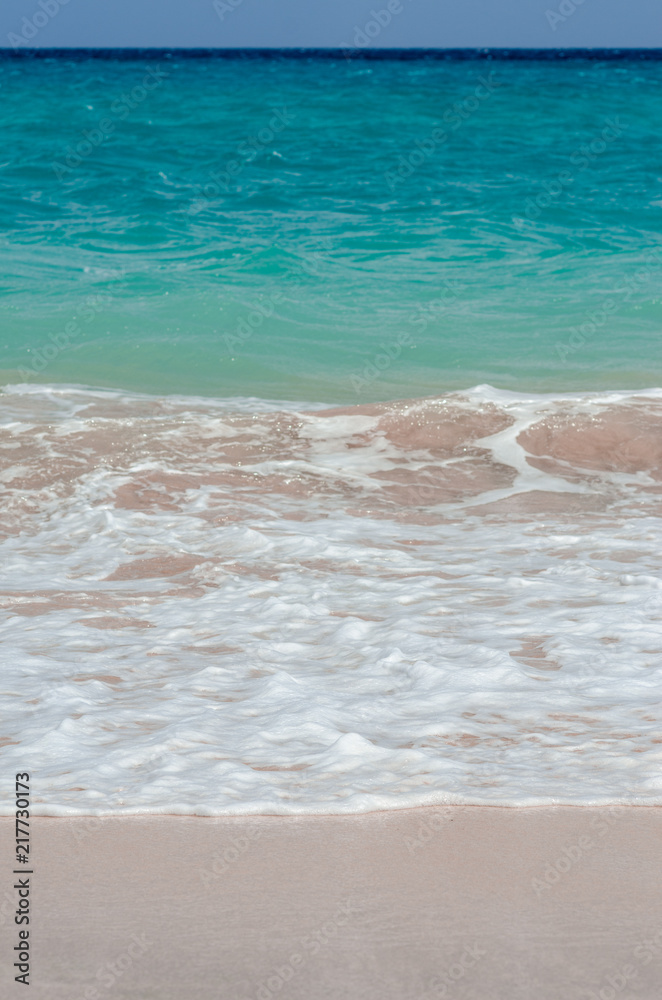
<point x="331" y="406"/>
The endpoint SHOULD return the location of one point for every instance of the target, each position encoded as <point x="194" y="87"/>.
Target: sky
<point x="331" y="23"/>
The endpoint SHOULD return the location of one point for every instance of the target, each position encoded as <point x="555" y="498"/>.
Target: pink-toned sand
<point x="465" y="903"/>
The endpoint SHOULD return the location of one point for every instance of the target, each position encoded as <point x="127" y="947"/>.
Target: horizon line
<point x="393" y="52"/>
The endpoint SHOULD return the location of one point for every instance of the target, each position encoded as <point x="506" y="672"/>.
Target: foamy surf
<point x="236" y="606"/>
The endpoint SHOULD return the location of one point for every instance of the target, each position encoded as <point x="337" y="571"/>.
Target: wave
<point x="235" y="606"/>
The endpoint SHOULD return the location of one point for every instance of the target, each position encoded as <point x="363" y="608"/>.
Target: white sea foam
<point x="241" y="607"/>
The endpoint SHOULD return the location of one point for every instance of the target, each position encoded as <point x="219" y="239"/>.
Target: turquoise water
<point x="330" y="230"/>
<point x="224" y="605"/>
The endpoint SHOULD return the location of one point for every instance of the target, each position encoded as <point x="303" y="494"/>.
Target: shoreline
<point x="427" y="807"/>
<point x="469" y="902"/>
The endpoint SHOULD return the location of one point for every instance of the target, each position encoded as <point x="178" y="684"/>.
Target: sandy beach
<point x="459" y="902"/>
<point x="330" y="490"/>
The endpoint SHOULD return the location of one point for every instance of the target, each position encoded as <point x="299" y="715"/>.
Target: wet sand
<point x="468" y="903"/>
